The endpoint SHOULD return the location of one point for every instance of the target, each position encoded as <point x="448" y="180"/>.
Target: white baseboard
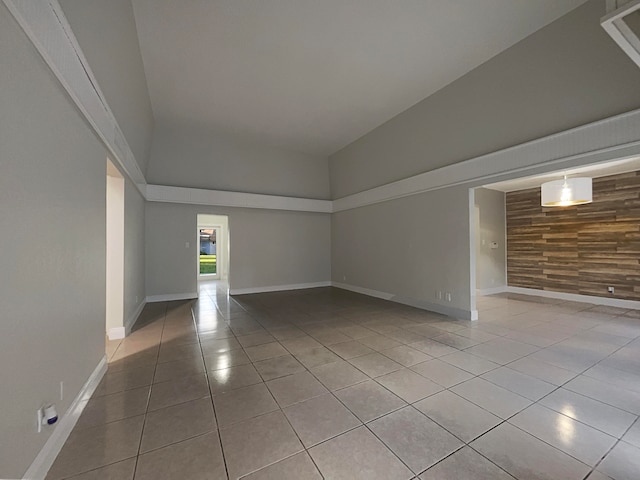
<point x="574" y="297"/>
<point x="483" y="292"/>
<point x="171" y="297"/>
<point x="130" y="322"/>
<point x="278" y="288"/>
<point x="412" y="302"/>
<point x="116" y="333"/>
<point x="43" y="461"/>
<point x="364" y="291"/>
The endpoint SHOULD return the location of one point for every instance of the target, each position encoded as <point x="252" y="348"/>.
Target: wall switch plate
<point x="439" y="295"/>
<point x="186" y="244"/>
<point x="448" y="297"/>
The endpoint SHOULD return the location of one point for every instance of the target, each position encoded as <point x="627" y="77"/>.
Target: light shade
<point x="567" y="192"/>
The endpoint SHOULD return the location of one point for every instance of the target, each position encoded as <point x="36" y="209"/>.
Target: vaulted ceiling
<point x="315" y="75"/>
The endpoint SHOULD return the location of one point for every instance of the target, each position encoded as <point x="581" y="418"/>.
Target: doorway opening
<point x="213" y="247"/>
<point x="115" y="253"/>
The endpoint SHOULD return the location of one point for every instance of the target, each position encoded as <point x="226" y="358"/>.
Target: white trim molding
<point x="483" y="292"/>
<point x="454" y="312"/>
<point x="43" y="461"/>
<point x="574" y="297"/>
<point x="198" y="196"/>
<point x="44" y="23"/>
<point x="278" y="288"/>
<point x="612" y="138"/>
<point x="171" y="297"/>
<point x="131" y="321"/>
<point x="615" y="26"/>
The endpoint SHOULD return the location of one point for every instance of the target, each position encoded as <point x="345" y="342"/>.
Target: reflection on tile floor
<point x="326" y="383"/>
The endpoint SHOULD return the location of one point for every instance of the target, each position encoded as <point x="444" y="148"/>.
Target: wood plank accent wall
<point x="581" y="249"/>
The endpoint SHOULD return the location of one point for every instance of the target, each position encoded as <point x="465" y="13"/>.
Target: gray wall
<point x="106" y="32"/>
<point x="490" y="227"/>
<point x="198" y="159"/>
<point x="52" y="287"/>
<point x="267" y="247"/>
<point x="567" y="74"/>
<point x="134" y="250"/>
<point x="410" y="247"/>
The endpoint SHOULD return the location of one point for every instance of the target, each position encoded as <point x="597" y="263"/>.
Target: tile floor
<point x="329" y="384"/>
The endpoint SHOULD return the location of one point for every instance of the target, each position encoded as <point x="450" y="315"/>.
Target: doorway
<point x="213" y="247"/>
<point x="208" y="248"/>
<point x="114" y="307"/>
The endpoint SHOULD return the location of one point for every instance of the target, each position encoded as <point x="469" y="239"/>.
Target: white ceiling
<point x="593" y="171"/>
<point x="315" y="75"/>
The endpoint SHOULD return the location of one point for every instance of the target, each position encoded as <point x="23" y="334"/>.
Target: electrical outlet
<point x="611" y="290"/>
<point x="448" y="297"/>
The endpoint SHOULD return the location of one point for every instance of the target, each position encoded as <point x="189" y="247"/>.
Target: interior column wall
<point x="52" y="287"/>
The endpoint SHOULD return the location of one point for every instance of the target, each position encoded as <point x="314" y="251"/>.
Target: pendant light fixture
<point x="567" y="192"/>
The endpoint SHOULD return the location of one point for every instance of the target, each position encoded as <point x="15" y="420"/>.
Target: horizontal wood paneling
<point x="582" y="249"/>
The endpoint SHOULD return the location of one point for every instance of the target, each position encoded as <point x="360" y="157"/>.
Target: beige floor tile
<point x="544" y="371"/>
<point x="258" y="442"/>
<point x="295" y="388"/>
<point x="433" y="348"/>
<point x="331" y="337"/>
<point x="316" y="356"/>
<point x="596" y="414"/>
<point x="461" y="417"/>
<point x="178" y="352"/>
<point x="319" y="419"/>
<point x="375" y="364"/>
<point x="358" y="454"/>
<point x="177" y="423"/>
<point x="493" y="398"/>
<point x="350" y="349"/>
<point x="95" y="447"/>
<point x="524" y="456"/>
<point x="263" y="352"/>
<point x="297" y="467"/>
<point x="577" y="439"/>
<point x="418" y="441"/>
<point x="379" y="342"/>
<point x="116" y="471"/>
<point x="406" y="356"/>
<point x="218" y="361"/>
<point x="198" y="458"/>
<point x="408" y="385"/>
<point x="520" y="383"/>
<point x="255" y="339"/>
<point x="231" y="378"/>
<point x="470" y="363"/>
<point x="211" y="347"/>
<point x="301" y="344"/>
<point x="178" y="369"/>
<point x="623" y="462"/>
<point x="338" y="375"/>
<point x="243" y="403"/>
<point x="178" y="391"/>
<point x="442" y="373"/>
<point x="119" y="381"/>
<point x="465" y="464"/>
<point x="278" y="367"/>
<point x="127" y="362"/>
<point x="369" y="400"/>
<point x="116" y="406"/>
